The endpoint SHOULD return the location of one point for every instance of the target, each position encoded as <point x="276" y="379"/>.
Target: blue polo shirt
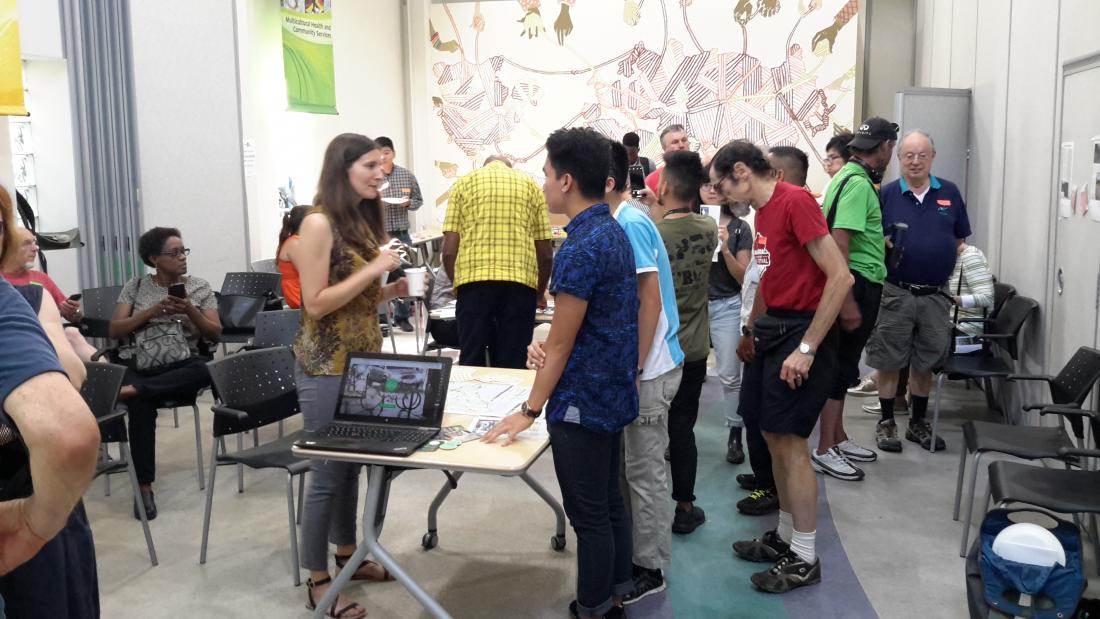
<point x="596" y="263"/>
<point x="934" y="226"/>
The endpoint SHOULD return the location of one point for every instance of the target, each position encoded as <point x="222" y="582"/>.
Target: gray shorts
<point x="911" y="331"/>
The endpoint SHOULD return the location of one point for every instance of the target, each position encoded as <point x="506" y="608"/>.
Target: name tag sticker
<point x="409" y="190"/>
<point x="943" y="202"/>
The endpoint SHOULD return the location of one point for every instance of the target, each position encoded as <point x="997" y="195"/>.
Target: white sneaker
<point x="865" y="388"/>
<point x="856" y="452"/>
<point x="833" y="463"/>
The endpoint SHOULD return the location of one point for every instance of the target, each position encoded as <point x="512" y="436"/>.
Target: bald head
<point x="915" y="155"/>
<point x="25" y="251"/>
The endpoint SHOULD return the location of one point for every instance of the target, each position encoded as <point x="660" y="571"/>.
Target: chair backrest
<point x="257" y="382"/>
<point x="1010" y="320"/>
<point x="100" y="392"/>
<point x="267" y="265"/>
<point x="278" y="328"/>
<point x="1001" y="292"/>
<point x="98" y="306"/>
<point x="252" y="284"/>
<point x="1077" y="378"/>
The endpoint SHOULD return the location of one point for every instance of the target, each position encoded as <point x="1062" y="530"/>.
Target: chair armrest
<point x="1041" y="405"/>
<point x="973" y="320"/>
<point x="994" y="336"/>
<point x="232" y="413"/>
<point x="115" y="414"/>
<point x="1042" y="377"/>
<point x="106" y="351"/>
<point x="1076" y="451"/>
<point x="1069" y="410"/>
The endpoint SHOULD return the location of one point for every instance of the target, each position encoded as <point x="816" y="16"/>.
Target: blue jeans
<point x="725" y="334"/>
<point x="333" y="492"/>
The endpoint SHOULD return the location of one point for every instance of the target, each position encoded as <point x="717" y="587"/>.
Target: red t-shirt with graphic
<point x="790" y="279"/>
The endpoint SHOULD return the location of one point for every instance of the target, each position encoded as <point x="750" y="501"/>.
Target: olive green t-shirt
<point x="858" y="211"/>
<point x="690" y="242"/>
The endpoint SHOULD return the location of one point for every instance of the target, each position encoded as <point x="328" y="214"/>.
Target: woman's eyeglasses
<point x="176" y="253"/>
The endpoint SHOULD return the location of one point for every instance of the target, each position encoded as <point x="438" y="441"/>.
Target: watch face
<point x="804" y="349"/>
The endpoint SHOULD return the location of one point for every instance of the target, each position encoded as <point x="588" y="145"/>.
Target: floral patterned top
<point x="322" y="346"/>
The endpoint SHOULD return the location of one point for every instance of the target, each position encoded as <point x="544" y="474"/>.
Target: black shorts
<point x="776" y="407"/>
<point x="850" y="343"/>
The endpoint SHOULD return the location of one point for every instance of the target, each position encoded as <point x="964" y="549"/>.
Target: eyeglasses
<point x="713" y="187"/>
<point x="176" y="253"/>
<point x="829" y="158"/>
<point x="915" y="156"/>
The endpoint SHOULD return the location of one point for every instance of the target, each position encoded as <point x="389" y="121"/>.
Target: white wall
<point x="890" y="60"/>
<point x="370" y="99"/>
<point x="189" y="131"/>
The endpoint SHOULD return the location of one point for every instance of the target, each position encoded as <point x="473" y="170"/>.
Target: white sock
<point x="786" y="525"/>
<point x="802" y="544"/>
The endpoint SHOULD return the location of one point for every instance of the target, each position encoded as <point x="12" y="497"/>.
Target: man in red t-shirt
<point x="791" y="364"/>
<point x="673" y="138"/>
<point x="18" y="273"/>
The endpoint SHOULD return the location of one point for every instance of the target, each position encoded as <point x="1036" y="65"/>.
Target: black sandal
<point x="342" y="560"/>
<point x="311" y="604"/>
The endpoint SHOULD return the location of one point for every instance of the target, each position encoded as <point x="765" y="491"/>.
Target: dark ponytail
<point x="292" y="220"/>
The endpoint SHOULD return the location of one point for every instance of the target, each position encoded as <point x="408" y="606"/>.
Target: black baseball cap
<point x="873" y="132"/>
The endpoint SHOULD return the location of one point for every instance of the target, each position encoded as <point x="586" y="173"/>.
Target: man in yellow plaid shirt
<point x="498" y="253"/>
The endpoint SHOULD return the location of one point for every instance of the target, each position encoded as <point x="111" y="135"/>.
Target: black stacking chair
<point x="266" y="286"/>
<point x="100" y="391"/>
<point x="278" y="328"/>
<point x="256" y="388"/>
<point x="1002" y="292"/>
<point x="97" y="307"/>
<point x="1068" y="391"/>
<point x="1066" y="491"/>
<point x="1003" y="334"/>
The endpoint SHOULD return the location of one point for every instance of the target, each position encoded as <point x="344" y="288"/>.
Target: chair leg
<point x="295" y="572"/>
<point x="141" y="512"/>
<point x="256" y="437"/>
<point x="301" y="495"/>
<point x="936" y="412"/>
<point x="209" y="505"/>
<point x="198" y="448"/>
<point x="959" y="482"/>
<point x="176" y="417"/>
<point x="240" y="467"/>
<point x="280" y="429"/>
<point x="107" y="485"/>
<point x="970" y="502"/>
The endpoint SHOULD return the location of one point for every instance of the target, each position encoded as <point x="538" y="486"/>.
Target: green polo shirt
<point x="858" y="211"/>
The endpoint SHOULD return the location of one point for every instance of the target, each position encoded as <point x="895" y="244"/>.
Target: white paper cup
<point x="416" y="279"/>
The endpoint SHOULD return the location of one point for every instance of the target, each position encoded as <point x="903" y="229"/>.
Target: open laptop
<point x="388" y="404"/>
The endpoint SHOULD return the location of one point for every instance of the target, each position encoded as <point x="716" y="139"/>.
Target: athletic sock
<point x="918" y="406"/>
<point x="802" y="544"/>
<point x="786" y="525"/>
<point x="887" y="405"/>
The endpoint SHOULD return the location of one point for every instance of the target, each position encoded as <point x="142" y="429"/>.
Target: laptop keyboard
<point x="375" y="433"/>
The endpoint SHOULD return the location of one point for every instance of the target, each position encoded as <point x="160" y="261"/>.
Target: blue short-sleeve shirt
<point x="934" y="226"/>
<point x="596" y="264"/>
<point x="20" y="330"/>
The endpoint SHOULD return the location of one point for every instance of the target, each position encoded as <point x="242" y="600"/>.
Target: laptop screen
<point x="394" y="389"/>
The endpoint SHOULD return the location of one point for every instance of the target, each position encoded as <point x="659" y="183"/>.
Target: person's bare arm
<point x="126" y="320"/>
<point x="850" y="316"/>
<point x="62" y="442"/>
<point x="450" y="253"/>
<point x="50" y="318"/>
<point x="319" y="299"/>
<point x="289" y="247"/>
<point x="568" y="315"/>
<point x="736" y="264"/>
<point x="207" y="322"/>
<point x="544" y="254"/>
<point x="649" y="312"/>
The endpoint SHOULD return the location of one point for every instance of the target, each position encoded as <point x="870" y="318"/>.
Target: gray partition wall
<point x="97" y="47"/>
<point x="944" y="113"/>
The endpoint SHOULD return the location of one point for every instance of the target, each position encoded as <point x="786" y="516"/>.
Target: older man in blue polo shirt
<point x="925" y="217"/>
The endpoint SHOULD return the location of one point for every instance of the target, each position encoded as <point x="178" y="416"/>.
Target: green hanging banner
<point x="307" y="57"/>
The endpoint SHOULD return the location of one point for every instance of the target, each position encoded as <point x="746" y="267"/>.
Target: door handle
<point x="1061" y="282"/>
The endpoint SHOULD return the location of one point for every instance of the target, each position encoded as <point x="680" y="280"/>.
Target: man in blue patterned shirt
<point x="590" y="369"/>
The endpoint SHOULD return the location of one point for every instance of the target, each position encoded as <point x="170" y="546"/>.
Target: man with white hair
<point x="673" y="138"/>
<point x="925" y="219"/>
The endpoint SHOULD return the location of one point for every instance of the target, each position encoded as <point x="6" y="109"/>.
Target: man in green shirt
<point x="852" y="210"/>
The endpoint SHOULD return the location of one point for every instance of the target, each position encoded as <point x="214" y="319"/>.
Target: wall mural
<point x="506" y="73"/>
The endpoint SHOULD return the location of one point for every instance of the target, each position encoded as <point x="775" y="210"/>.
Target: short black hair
<point x="839" y="143"/>
<point x="619" y="167"/>
<point x="632" y="139"/>
<point x="583" y="154"/>
<point x="384" y="142"/>
<point x="794" y="163"/>
<point x="152" y="242"/>
<point x="740" y="151"/>
<point x="684" y="173"/>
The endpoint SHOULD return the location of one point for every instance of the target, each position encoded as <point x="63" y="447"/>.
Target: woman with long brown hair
<point x="341" y="260"/>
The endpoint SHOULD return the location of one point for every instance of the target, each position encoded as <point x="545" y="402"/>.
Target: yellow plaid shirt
<point x="498" y="214"/>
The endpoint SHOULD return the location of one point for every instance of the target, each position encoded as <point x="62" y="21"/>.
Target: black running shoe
<point x="919" y="431"/>
<point x="789" y="572"/>
<point x="747" y="481"/>
<point x="768" y="548"/>
<point x="687" y="521"/>
<point x="646" y="583"/>
<point x="759" y="502"/>
<point x="405" y="325"/>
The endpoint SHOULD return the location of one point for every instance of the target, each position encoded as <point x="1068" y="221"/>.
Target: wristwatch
<point x="806" y="349"/>
<point x="530" y="412"/>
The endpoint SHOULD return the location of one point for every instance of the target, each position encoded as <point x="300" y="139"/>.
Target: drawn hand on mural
<point x="439" y="43"/>
<point x="767" y="8"/>
<point x="743" y="11"/>
<point x="532" y="24"/>
<point x="563" y="25"/>
<point x="825" y="37"/>
<point x="478" y="24"/>
<point x="631" y="13"/>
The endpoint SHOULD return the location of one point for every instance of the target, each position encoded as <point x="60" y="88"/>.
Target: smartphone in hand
<point x="177" y="290"/>
<point x="75" y="297"/>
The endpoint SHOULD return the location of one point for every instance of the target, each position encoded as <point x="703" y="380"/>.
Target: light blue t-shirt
<point x="650" y="255"/>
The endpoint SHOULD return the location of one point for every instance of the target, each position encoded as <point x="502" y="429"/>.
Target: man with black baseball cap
<point x="873" y="133"/>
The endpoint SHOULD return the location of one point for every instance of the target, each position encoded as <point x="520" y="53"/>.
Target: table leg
<point x="558" y="541"/>
<point x="373" y="511"/>
<point x="431" y="538"/>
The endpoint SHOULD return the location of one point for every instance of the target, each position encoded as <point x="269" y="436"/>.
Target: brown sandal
<point x="342" y="560"/>
<point x="311" y="604"/>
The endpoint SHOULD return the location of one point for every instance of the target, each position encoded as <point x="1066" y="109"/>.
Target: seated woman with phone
<point x="170" y="316"/>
